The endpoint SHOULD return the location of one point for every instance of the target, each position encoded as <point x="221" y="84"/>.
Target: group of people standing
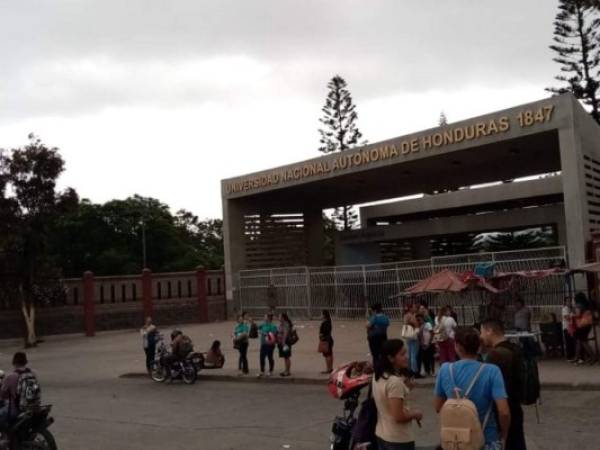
<point x="423" y="333"/>
<point x="487" y="373"/>
<point x="282" y="336"/>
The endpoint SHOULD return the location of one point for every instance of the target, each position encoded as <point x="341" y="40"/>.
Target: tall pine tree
<point x="576" y="43"/>
<point x="340" y="133"/>
<point x="443" y="120"/>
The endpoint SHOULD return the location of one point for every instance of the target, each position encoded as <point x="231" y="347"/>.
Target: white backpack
<point x="461" y="428"/>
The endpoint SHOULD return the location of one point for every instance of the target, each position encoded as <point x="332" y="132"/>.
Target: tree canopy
<point x="340" y="133"/>
<point x="577" y="49"/>
<point x="45" y="233"/>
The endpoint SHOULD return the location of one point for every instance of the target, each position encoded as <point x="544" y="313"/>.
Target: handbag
<point x="323" y="347"/>
<point x="408" y="332"/>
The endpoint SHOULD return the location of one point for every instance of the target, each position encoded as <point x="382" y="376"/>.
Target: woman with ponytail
<point x="392" y="397"/>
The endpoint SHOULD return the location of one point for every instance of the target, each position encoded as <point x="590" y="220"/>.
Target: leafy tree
<point x="205" y="238"/>
<point x="340" y="133"/>
<point x="577" y="46"/>
<point x="31" y="204"/>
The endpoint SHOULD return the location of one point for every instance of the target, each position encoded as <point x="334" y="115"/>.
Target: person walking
<point x="240" y="342"/>
<point x="285" y="349"/>
<point x="268" y="338"/>
<point x="395" y="414"/>
<point x="326" y="341"/>
<point x="480" y="383"/>
<point x="377" y="326"/>
<point x="148" y="332"/>
<point x="445" y="327"/>
<point x="509" y="358"/>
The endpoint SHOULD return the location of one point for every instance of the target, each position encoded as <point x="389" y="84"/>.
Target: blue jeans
<point x="413" y="351"/>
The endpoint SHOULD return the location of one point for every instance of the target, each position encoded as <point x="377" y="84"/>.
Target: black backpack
<point x="253" y="334"/>
<point x="525" y="375"/>
<point x="364" y="428"/>
<point x="530" y="381"/>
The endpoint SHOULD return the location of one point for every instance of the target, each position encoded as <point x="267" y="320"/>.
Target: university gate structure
<point x="532" y="166"/>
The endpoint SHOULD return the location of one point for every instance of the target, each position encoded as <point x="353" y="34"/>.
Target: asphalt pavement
<point x="96" y="409"/>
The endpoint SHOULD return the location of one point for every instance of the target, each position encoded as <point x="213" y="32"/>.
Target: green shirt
<point x="264" y="329"/>
<point x="241" y="328"/>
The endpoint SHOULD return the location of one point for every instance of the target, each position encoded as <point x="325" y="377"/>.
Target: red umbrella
<point x="449" y="281"/>
<point x="444" y="281"/>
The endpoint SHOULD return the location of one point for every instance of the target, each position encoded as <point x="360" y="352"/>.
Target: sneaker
<point x="260" y="375"/>
<point x="269" y="374"/>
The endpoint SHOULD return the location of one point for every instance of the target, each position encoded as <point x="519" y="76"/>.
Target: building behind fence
<point x="347" y="291"/>
<point x="91" y="304"/>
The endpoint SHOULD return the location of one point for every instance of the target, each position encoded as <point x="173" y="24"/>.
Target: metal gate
<point x="346" y="291"/>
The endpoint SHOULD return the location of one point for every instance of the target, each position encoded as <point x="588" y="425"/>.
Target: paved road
<point x="97" y="410"/>
<point x="137" y="414"/>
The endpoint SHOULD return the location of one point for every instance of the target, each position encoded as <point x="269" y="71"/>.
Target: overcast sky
<point x="166" y="98"/>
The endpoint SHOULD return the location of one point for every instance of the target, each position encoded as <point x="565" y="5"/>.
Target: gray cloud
<point x="70" y="57"/>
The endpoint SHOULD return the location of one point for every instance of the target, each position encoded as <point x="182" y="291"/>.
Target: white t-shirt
<point x="566" y="314"/>
<point x="449" y="325"/>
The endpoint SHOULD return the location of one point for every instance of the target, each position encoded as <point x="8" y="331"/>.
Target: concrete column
<point x="147" y="305"/>
<point x="201" y="293"/>
<point x="234" y="244"/>
<point x="573" y="179"/>
<point x="315" y="236"/>
<point x="89" y="304"/>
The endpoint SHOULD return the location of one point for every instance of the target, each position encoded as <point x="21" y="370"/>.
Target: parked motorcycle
<point x="186" y="369"/>
<point x="29" y="431"/>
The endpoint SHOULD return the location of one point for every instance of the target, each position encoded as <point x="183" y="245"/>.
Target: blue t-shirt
<point x="488" y="388"/>
<point x="379" y="323"/>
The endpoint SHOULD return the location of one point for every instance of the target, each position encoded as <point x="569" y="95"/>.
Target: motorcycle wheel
<point x="42" y="440"/>
<point x="158" y="372"/>
<point x="189" y="374"/>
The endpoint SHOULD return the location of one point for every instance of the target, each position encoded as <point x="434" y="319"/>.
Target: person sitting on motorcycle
<point x="9" y="401"/>
<point x="181" y="346"/>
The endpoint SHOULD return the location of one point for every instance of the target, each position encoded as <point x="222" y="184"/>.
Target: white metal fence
<point x="346" y="291"/>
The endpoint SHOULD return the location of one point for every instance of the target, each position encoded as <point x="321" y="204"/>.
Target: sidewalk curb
<point x="429" y="384"/>
<point x="246" y="379"/>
